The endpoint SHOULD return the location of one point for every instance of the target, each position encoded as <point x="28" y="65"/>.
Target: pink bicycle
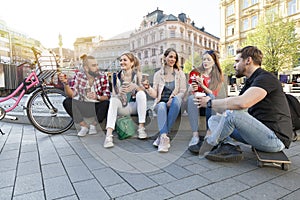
<point x="43" y="107"/>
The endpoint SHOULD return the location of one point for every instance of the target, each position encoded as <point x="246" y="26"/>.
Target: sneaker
<point x="108" y="143"/>
<point x="205" y="149"/>
<point x="164" y="144"/>
<point x="141" y="133"/>
<point x="156" y="142"/>
<point x="226" y="153"/>
<point x="194" y="140"/>
<point x="92" y="130"/>
<point x="83" y="131"/>
<point x="196" y="147"/>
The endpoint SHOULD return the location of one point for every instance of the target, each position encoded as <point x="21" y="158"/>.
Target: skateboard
<point x="277" y="159"/>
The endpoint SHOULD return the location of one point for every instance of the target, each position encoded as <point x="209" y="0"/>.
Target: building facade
<point x="108" y="51"/>
<point x="15" y="46"/>
<point x="159" y="31"/>
<point x="84" y="45"/>
<point x="239" y="17"/>
<point x="156" y="33"/>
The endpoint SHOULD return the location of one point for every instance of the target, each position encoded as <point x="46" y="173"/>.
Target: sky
<point x="44" y="20"/>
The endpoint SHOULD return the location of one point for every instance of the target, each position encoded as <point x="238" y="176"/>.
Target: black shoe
<point x="196" y="147"/>
<point x="205" y="149"/>
<point x="226" y="153"/>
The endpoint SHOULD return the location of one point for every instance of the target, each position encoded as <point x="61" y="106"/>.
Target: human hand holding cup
<point x="198" y="98"/>
<point x="125" y="87"/>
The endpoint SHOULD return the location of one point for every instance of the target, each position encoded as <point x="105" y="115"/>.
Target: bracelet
<point x="65" y="84"/>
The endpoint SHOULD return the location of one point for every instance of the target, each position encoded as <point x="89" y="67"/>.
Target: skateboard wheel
<point x="285" y="166"/>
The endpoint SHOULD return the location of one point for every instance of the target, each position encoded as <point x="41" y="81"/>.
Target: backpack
<point x="294" y="106"/>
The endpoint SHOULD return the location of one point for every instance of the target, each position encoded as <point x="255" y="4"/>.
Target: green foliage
<point x="277" y="39"/>
<point x="148" y="70"/>
<point x="188" y="63"/>
<point x="227" y="66"/>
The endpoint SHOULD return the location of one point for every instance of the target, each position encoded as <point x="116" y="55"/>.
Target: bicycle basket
<point x="47" y="65"/>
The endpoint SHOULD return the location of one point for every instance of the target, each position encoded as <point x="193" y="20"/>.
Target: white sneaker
<point x="108" y="141"/>
<point x="141" y="133"/>
<point x="194" y="140"/>
<point x="164" y="144"/>
<point x="156" y="142"/>
<point x="83" y="131"/>
<point x="92" y="130"/>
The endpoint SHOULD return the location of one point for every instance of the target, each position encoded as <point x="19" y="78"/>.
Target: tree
<point x="277" y="39"/>
<point x="188" y="63"/>
<point x="227" y="66"/>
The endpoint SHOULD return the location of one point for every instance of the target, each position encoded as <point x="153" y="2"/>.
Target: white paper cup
<point x="200" y="94"/>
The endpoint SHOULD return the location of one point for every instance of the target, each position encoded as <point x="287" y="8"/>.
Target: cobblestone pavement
<point x="34" y="165"/>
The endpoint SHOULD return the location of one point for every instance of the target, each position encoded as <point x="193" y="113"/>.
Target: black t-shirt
<point x="273" y="111"/>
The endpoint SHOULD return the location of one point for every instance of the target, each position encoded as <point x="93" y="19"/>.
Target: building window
<point x="146" y="40"/>
<point x="182" y="48"/>
<point x="245" y="4"/>
<point x="230" y="50"/>
<point x="172" y="34"/>
<point x="153" y="52"/>
<point x="292" y="7"/>
<point x="161" y="49"/>
<point x="254" y="21"/>
<point x="161" y="35"/>
<point x="230" y="30"/>
<point x="139" y="43"/>
<point x="272" y="11"/>
<point x="173" y="46"/>
<point x="245" y="24"/>
<point x="254" y="2"/>
<point x="153" y="38"/>
<point x="230" y="10"/>
<point x="145" y="54"/>
<point x="139" y="55"/>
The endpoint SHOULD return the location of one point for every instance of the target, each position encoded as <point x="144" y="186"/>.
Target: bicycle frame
<point x="32" y="80"/>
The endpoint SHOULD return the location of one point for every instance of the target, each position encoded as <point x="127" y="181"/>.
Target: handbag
<point x="125" y="127"/>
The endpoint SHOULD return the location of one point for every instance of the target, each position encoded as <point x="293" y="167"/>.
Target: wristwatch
<point x="208" y="104"/>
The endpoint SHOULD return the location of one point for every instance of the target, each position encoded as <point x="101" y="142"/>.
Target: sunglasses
<point x="210" y="52"/>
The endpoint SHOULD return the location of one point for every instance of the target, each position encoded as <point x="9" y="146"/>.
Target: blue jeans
<point x="193" y="113"/>
<point x="167" y="116"/>
<point x="243" y="127"/>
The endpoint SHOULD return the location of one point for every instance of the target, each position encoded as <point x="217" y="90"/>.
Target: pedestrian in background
<point x="128" y="97"/>
<point x="169" y="86"/>
<point x="207" y="79"/>
<point x="87" y="95"/>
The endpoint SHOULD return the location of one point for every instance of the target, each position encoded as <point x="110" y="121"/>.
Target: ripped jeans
<point x="243" y="127"/>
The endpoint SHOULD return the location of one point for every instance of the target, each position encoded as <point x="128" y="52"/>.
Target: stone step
<point x="181" y="124"/>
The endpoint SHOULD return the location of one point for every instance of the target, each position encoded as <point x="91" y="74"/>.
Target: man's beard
<point x="94" y="74"/>
<point x="238" y="74"/>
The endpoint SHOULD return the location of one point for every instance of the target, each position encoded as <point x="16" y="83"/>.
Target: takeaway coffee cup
<point x="200" y="94"/>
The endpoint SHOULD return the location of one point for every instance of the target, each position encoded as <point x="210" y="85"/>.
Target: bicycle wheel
<point x="46" y="113"/>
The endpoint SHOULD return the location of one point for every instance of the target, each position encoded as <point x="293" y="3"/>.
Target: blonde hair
<point x="136" y="63"/>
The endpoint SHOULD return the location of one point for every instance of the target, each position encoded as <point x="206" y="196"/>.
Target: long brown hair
<point x="216" y="74"/>
<point x="166" y="53"/>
